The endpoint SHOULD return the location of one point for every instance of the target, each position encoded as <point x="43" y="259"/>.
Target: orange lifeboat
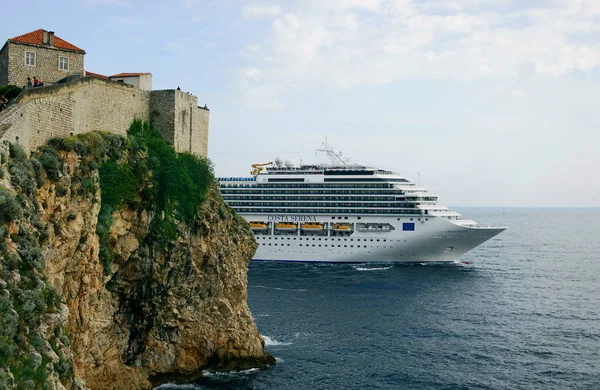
<point x="342" y="227"/>
<point x="312" y="226"/>
<point x="287" y="226"/>
<point x="258" y="225"/>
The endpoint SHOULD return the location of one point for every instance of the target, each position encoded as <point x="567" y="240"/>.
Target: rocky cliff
<point x="109" y="277"/>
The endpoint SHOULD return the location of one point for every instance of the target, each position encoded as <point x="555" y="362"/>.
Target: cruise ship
<point x="347" y="213"/>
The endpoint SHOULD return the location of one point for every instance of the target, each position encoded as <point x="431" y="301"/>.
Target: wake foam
<point x="228" y="373"/>
<point x="177" y="387"/>
<point x="279" y="288"/>
<point x="358" y="268"/>
<point x="269" y="342"/>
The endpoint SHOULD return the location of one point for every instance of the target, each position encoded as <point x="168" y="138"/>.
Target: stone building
<point x="138" y="80"/>
<point x="39" y="53"/>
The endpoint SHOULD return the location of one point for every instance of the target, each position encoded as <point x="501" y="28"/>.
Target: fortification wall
<point x="181" y="121"/>
<point x="92" y="104"/>
<point x="88" y="104"/>
<point x="4" y="66"/>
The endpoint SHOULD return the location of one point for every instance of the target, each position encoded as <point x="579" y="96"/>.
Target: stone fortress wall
<point x="93" y="104"/>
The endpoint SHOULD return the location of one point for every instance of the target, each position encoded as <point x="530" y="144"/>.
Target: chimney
<point x="45" y="37"/>
<point x="51" y="38"/>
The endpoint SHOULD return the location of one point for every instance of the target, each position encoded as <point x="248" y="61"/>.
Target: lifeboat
<point x="312" y="226"/>
<point x="342" y="227"/>
<point x="258" y="226"/>
<point x="286" y="226"/>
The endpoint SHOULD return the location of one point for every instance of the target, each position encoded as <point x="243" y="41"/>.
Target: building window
<point x="29" y="58"/>
<point x="63" y="63"/>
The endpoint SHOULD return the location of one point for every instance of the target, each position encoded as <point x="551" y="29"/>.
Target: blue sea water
<point x="524" y="314"/>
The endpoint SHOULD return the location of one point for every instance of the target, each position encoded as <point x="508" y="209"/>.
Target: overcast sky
<point x="495" y="103"/>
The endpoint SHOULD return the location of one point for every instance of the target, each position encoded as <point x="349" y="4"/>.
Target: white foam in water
<point x="207" y="374"/>
<point x="279" y="288"/>
<point x="269" y="342"/>
<point x="371" y="269"/>
<point x="177" y="387"/>
<point x="279" y="360"/>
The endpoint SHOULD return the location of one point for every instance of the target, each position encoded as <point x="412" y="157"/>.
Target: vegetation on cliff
<point x="10" y="91"/>
<point x="30" y="350"/>
<point x="46" y="196"/>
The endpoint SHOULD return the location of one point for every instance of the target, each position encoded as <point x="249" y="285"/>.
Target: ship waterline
<point x="433" y="240"/>
<point x="342" y="213"/>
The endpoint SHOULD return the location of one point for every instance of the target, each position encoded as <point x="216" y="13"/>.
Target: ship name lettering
<point x="292" y="218"/>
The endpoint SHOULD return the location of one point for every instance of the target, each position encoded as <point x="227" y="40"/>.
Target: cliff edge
<point x="112" y="275"/>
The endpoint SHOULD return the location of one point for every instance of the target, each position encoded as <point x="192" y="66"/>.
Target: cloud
<point x="348" y="43"/>
<point x="260" y="12"/>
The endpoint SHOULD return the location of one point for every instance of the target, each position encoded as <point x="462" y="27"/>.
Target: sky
<point x="488" y="103"/>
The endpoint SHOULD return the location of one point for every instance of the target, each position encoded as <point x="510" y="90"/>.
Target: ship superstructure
<point x="342" y="212"/>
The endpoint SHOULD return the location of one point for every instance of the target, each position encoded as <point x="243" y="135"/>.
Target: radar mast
<point x="334" y="157"/>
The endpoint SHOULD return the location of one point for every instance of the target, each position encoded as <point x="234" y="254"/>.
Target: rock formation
<point x="167" y="306"/>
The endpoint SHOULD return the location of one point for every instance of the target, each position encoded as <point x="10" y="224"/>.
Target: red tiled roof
<point x="101" y="76"/>
<point x="35" y="38"/>
<point x="129" y="75"/>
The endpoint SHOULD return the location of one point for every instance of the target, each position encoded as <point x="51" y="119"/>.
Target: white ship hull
<point x="434" y="239"/>
<point x="347" y="213"/>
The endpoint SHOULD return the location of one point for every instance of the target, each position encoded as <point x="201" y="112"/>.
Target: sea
<point x="521" y="311"/>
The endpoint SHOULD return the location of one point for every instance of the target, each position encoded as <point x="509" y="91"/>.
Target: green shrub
<point x="10" y="91"/>
<point x="48" y="157"/>
<point x="1" y="173"/>
<point x="21" y="177"/>
<point x="9" y="323"/>
<point x="118" y="184"/>
<point x="30" y="306"/>
<point x="17" y="153"/>
<point x="39" y="172"/>
<point x="181" y="180"/>
<point x="31" y="256"/>
<point x="64" y="368"/>
<point x="10" y="209"/>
